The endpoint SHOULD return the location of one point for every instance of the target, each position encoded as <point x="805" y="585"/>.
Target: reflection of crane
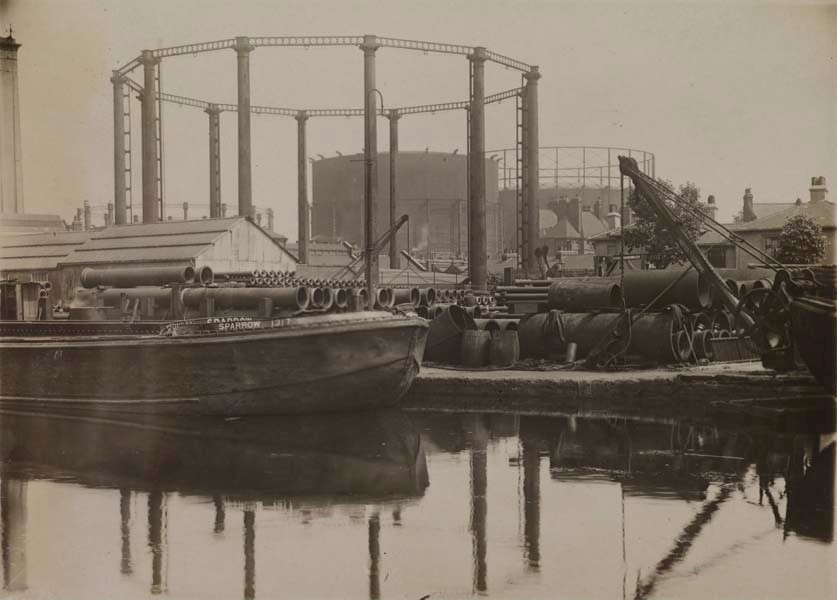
<point x="798" y="312"/>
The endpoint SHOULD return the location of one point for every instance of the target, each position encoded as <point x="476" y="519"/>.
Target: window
<point x="771" y="245"/>
<point x="717" y="256"/>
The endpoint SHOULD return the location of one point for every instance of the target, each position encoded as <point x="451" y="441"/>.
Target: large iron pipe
<point x="132" y="277"/>
<point x="589" y="330"/>
<point x="580" y="294"/>
<point x="689" y="289"/>
<point x="407" y="296"/>
<point x="291" y="298"/>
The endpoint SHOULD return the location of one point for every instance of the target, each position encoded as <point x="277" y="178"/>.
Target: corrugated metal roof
<point x="165" y="241"/>
<point x="150" y="242"/>
<point x="178" y="253"/>
<point x="45" y="239"/>
<point x="167" y="228"/>
<point x="39" y="251"/>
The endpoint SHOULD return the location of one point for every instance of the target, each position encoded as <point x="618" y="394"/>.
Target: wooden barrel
<point x="474" y="349"/>
<point x="504" y="348"/>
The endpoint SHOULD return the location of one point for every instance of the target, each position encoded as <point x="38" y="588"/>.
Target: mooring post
<point x="245" y="173"/>
<point x="150" y="166"/>
<point x="370" y="155"/>
<point x="477" y="267"/>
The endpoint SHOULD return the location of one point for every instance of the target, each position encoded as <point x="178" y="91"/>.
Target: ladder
<point x="126" y="151"/>
<point x="158" y="127"/>
<point x="521" y="175"/>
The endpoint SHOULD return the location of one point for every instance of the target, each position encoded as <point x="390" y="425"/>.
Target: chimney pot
<point x="818" y="190"/>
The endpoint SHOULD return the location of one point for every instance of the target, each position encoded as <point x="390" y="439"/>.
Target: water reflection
<point x="521" y="506"/>
<point x="292" y="461"/>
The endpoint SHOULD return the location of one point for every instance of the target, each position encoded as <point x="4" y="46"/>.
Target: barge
<point x="227" y="364"/>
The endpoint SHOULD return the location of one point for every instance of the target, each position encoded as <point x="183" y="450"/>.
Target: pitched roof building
<point x="231" y="244"/>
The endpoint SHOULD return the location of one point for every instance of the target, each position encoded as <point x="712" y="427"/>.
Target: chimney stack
<point x="270" y="220"/>
<point x="87" y="215"/>
<point x="819" y="193"/>
<point x="748" y="213"/>
<point x="185" y="211"/>
<point x="11" y="156"/>
<point x="612" y="219"/>
<point x="109" y="215"/>
<point x="711" y="207"/>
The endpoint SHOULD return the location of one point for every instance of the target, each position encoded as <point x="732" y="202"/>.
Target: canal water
<point x="418" y="505"/>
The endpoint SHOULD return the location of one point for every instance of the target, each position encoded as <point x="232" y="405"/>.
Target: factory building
<point x="232" y="244"/>
<point x="432" y="188"/>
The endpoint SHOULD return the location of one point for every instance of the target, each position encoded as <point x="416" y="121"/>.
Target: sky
<point x="728" y="95"/>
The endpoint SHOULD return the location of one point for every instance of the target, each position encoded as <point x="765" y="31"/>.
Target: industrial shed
<point x="232" y="244"/>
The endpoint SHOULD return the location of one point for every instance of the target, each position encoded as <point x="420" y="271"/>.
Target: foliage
<point x="648" y="233"/>
<point x="801" y="241"/>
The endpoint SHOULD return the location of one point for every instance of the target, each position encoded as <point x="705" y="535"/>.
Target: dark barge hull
<point x="339" y="362"/>
<point x="814" y="326"/>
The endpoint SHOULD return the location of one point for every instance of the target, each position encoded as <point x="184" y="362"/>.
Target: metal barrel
<point x="474" y="348"/>
<point x="504" y="348"/>
<point x="582" y="293"/>
<point x="444" y="337"/>
<point x="690" y="289"/>
<point x="289" y="298"/>
<point x="136" y="276"/>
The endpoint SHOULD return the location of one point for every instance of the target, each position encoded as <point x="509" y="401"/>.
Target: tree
<point x="801" y="241"/>
<point x="649" y="233"/>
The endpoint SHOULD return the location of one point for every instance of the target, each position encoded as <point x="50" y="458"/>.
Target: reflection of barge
<point x="305" y="364"/>
<point x="375" y="454"/>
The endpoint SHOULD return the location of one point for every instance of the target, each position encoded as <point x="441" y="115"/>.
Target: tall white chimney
<point x="819" y="192"/>
<point x="11" y="158"/>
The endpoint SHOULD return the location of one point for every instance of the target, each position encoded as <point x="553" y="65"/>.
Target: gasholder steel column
<point x="302" y="185"/>
<point x="533" y="167"/>
<point x="477" y="267"/>
<point x="150" y="165"/>
<point x="370" y="155"/>
<point x="214" y="160"/>
<point x="394" y="255"/>
<point x="118" y="148"/>
<point x="245" y="171"/>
